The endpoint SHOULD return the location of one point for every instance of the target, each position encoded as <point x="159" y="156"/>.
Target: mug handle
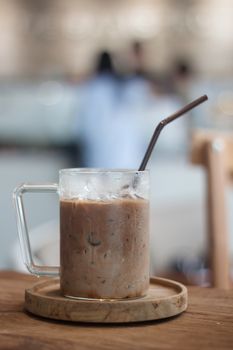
<point x="23" y="230"/>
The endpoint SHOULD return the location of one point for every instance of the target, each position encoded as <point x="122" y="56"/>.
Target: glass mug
<point x="104" y="232"/>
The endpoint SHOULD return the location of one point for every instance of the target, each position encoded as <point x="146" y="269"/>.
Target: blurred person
<point x="137" y="59"/>
<point x="107" y="120"/>
<point x="181" y="78"/>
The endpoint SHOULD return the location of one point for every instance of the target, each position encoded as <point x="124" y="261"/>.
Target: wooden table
<point x="207" y="324"/>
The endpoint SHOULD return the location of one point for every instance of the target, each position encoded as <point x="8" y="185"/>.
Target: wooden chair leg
<point x="217" y="218"/>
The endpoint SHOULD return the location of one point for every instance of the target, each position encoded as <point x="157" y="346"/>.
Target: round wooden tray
<point x="165" y="298"/>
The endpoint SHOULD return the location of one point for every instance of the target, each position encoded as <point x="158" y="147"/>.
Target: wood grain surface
<point x="207" y="324"/>
<point x="165" y="298"/>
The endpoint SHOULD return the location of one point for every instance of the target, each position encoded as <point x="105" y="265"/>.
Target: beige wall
<point x="54" y="37"/>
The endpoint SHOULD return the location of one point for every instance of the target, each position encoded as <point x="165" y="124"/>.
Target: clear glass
<point x="104" y="231"/>
<point x="23" y="230"/>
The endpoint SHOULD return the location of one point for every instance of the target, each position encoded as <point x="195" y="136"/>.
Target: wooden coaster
<point x="165" y="298"/>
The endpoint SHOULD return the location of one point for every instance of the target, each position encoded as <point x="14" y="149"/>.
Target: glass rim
<point x="67" y="171"/>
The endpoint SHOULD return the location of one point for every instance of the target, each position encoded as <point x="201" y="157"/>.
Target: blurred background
<point x="84" y="83"/>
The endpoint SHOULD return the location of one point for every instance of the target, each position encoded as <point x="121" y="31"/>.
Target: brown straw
<point x="164" y="122"/>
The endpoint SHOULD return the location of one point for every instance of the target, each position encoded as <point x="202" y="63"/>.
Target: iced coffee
<point x="104" y="247"/>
